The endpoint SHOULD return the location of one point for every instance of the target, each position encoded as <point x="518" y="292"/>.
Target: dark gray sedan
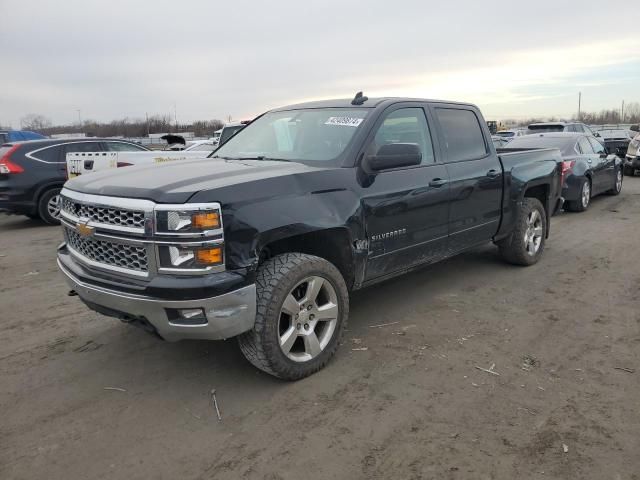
<point x="587" y="168"/>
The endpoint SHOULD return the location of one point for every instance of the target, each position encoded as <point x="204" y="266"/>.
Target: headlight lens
<point x="194" y="222"/>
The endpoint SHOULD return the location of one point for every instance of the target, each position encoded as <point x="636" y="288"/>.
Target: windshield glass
<point x="564" y="144"/>
<point x="317" y="135"/>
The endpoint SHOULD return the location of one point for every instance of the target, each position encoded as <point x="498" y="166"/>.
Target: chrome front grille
<point x="121" y="255"/>
<point x="118" y="217"/>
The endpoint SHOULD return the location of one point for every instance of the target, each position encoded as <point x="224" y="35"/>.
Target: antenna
<point x="359" y="99"/>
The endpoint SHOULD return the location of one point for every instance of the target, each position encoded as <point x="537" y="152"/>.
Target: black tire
<point x="513" y="249"/>
<point x="33" y="216"/>
<point x="617" y="187"/>
<point x="628" y="171"/>
<point x="578" y="205"/>
<point x="275" y="279"/>
<point x="44" y="211"/>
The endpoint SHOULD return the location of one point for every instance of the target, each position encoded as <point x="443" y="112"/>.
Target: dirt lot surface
<point x="564" y="336"/>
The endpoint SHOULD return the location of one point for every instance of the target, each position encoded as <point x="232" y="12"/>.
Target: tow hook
<point x="72" y="293"/>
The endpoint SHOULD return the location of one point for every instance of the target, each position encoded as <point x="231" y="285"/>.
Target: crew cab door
<point x="475" y="177"/>
<point x="406" y="209"/>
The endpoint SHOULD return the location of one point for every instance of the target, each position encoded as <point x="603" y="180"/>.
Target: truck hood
<point x="176" y="182"/>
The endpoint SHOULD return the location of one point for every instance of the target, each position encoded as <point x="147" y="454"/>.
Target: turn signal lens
<point x="209" y="256"/>
<point x="206" y="221"/>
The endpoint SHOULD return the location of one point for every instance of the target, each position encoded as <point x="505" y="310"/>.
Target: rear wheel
<point x="583" y="201"/>
<point x="49" y="206"/>
<point x="617" y="186"/>
<point x="629" y="171"/>
<point x="303" y="305"/>
<point x="526" y="243"/>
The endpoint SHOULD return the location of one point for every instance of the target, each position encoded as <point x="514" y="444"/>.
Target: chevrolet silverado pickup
<point x="265" y="240"/>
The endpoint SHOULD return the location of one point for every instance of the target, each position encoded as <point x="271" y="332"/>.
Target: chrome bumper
<point x="227" y="315"/>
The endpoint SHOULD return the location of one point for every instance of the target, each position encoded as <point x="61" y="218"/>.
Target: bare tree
<point x="35" y="122"/>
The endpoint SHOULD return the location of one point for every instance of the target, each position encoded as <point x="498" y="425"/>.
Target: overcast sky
<point x="115" y="59"/>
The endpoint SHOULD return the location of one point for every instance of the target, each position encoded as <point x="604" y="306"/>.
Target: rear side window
<point x="123" y="147"/>
<point x="83" y="147"/>
<point x="585" y="146"/>
<point x="597" y="146"/>
<point x="49" y="154"/>
<point x="462" y="134"/>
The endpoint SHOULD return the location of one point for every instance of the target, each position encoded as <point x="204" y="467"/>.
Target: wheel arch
<point x="333" y="244"/>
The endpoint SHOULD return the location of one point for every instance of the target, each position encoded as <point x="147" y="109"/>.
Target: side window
<point x="597" y="146"/>
<point x="585" y="146"/>
<point x="462" y="134"/>
<point x="83" y="147"/>
<point x="571" y="128"/>
<point x="406" y="125"/>
<point x="49" y="155"/>
<point x="123" y="147"/>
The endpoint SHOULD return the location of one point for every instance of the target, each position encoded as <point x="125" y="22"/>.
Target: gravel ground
<point x="564" y="336"/>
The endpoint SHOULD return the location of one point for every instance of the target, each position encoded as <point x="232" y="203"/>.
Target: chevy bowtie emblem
<point x="84" y="230"/>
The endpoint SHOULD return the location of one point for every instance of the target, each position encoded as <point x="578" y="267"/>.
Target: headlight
<point x="188" y="220"/>
<point x="194" y="238"/>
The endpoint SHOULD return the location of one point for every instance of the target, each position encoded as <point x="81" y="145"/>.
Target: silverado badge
<point x="83" y="229"/>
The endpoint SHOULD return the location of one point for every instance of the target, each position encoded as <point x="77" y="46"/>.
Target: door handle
<point x="493" y="173"/>
<point x="437" y="182"/>
<point x="589" y="160"/>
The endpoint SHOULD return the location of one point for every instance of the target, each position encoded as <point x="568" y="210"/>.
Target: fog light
<point x="186" y="316"/>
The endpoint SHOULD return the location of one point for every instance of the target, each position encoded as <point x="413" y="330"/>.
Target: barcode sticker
<point x="344" y="121"/>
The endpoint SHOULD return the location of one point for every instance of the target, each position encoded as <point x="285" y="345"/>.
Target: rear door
<point x="594" y="164"/>
<point x="406" y="209"/>
<point x="475" y="177"/>
<point x="606" y="165"/>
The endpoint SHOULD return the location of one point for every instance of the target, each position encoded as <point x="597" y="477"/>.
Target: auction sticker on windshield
<point x="344" y="121"/>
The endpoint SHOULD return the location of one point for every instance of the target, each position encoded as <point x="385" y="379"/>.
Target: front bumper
<point x="227" y="315"/>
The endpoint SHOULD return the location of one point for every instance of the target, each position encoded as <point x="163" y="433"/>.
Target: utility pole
<point x="175" y="115"/>
<point x="579" y="104"/>
<point x="622" y="113"/>
<point x="147" y="115"/>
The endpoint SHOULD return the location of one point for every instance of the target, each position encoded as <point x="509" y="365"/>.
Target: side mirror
<point x="635" y="128"/>
<point x="394" y="155"/>
<point x="597" y="135"/>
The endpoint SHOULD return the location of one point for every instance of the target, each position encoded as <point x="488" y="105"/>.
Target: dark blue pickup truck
<point x="265" y="239"/>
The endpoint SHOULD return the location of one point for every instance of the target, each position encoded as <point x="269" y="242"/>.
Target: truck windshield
<point x="315" y="135"/>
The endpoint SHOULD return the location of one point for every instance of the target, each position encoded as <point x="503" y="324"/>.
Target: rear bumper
<point x="227" y="315"/>
<point x="14" y="201"/>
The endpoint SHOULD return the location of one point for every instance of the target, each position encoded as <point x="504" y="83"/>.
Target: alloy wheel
<point x="586" y="194"/>
<point x="308" y="319"/>
<point x="53" y="206"/>
<point x="533" y="234"/>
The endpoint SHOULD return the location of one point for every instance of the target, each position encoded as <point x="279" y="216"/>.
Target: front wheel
<point x="526" y="243"/>
<point x="617" y="186"/>
<point x="302" y="309"/>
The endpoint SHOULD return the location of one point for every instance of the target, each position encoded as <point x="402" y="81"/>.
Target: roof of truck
<point x="370" y="103"/>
